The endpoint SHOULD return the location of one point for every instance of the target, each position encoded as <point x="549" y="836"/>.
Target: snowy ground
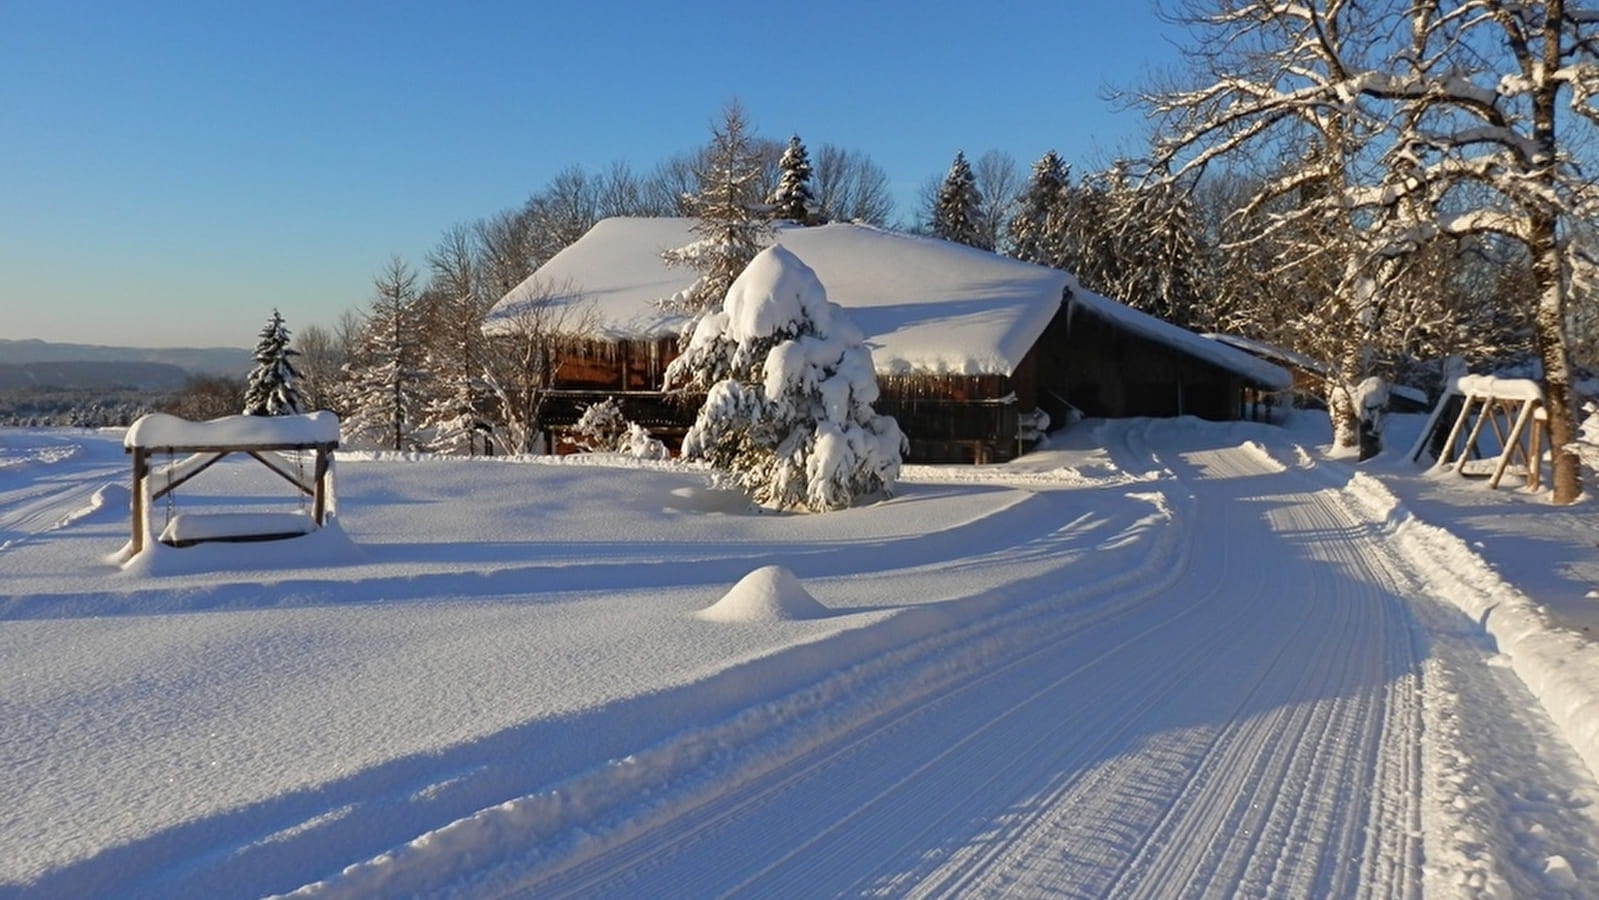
<point x="1164" y="659"/>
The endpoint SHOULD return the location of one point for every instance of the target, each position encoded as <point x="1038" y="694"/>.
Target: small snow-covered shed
<point x="973" y="351"/>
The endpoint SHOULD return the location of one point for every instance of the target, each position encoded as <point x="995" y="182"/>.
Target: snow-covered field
<point x="1163" y="658"/>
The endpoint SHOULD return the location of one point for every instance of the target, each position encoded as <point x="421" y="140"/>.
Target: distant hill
<point x="66" y="376"/>
<point x="234" y="361"/>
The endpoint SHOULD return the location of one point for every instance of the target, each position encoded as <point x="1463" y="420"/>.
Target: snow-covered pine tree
<point x="271" y="389"/>
<point x="383" y="380"/>
<point x="794" y="200"/>
<point x="791" y="420"/>
<point x="1034" y="229"/>
<point x="957" y="209"/>
<point x="1144" y="238"/>
<point x="1083" y="235"/>
<point x="731" y="224"/>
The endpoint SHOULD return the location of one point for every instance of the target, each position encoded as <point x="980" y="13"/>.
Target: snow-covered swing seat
<point x="1511" y="407"/>
<point x="262" y="438"/>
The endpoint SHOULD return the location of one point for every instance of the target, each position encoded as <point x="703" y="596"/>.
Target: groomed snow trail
<point x="31" y="503"/>
<point x="1251" y="728"/>
<point x="1200" y="663"/>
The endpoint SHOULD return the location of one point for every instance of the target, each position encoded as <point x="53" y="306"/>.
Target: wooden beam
<point x="280" y="466"/>
<point x="1512" y="445"/>
<point x="172" y="484"/>
<point x="138" y="510"/>
<point x="1471" y="440"/>
<point x="323" y="479"/>
<point x="1535" y="463"/>
<point x="1448" y="452"/>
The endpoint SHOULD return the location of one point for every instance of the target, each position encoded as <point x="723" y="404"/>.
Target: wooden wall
<point x="947" y="418"/>
<point x="1105" y="371"/>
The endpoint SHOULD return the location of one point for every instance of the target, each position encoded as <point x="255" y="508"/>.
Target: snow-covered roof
<point x="162" y="430"/>
<point x="1271" y="352"/>
<point x="1147" y="326"/>
<point x="925" y="305"/>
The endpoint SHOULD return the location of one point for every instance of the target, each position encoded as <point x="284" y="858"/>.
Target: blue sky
<point x="172" y="172"/>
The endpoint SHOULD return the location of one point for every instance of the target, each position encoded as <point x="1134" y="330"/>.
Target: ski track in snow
<point x="1179" y="747"/>
<point x="1225" y="730"/>
<point x="32" y="505"/>
<point x="1233" y="683"/>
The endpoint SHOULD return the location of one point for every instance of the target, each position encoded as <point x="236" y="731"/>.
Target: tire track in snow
<point x="967" y="741"/>
<point x="1241" y="746"/>
<point x="47" y="502"/>
<point x="1158" y="754"/>
<point x="699" y="768"/>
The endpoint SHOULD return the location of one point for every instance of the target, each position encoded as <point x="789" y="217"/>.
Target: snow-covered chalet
<point x="975" y="353"/>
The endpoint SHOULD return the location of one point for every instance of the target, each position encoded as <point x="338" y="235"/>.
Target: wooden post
<point x="1535" y="454"/>
<point x="1512" y="442"/>
<point x="1471" y="440"/>
<point x="319" y="496"/>
<point x="138" y="511"/>
<point x="1460" y="422"/>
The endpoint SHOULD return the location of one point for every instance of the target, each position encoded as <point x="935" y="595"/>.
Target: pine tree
<point x="1135" y="240"/>
<point x="732" y="223"/>
<point x="790" y="418"/>
<point x="271" y="389"/>
<point x="1035" y="228"/>
<point x="957" y="210"/>
<point x="384" y="379"/>
<point x="794" y="200"/>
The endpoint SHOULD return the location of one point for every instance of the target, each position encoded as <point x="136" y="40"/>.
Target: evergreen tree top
<point x="955" y="213"/>
<point x="793" y="199"/>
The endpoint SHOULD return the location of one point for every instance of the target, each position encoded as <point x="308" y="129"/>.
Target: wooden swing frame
<point x="319" y="487"/>
<point x="1519" y="422"/>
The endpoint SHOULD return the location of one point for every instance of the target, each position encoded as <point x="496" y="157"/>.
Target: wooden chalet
<point x="975" y="353"/>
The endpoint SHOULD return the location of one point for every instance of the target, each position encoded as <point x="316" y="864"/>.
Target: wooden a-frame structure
<point x="206" y="443"/>
<point x="1512" y="408"/>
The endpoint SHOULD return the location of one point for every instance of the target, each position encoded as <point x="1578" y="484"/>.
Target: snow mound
<point x="768" y="594"/>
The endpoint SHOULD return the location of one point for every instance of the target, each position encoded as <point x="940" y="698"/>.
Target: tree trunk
<point x="1549" y="322"/>
<point x="1565" y="467"/>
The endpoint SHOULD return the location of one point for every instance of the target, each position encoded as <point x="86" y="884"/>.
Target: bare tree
<point x="456" y="393"/>
<point x="562" y="211"/>
<point x="1488" y="85"/>
<point x="321" y="357"/>
<point x="851" y="187"/>
<point x="384" y="379"/>
<point x="999" y="180"/>
<point x="673" y="182"/>
<point x="529" y="336"/>
<point x="623" y="193"/>
<point x="506" y="250"/>
<point x="1274" y="83"/>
